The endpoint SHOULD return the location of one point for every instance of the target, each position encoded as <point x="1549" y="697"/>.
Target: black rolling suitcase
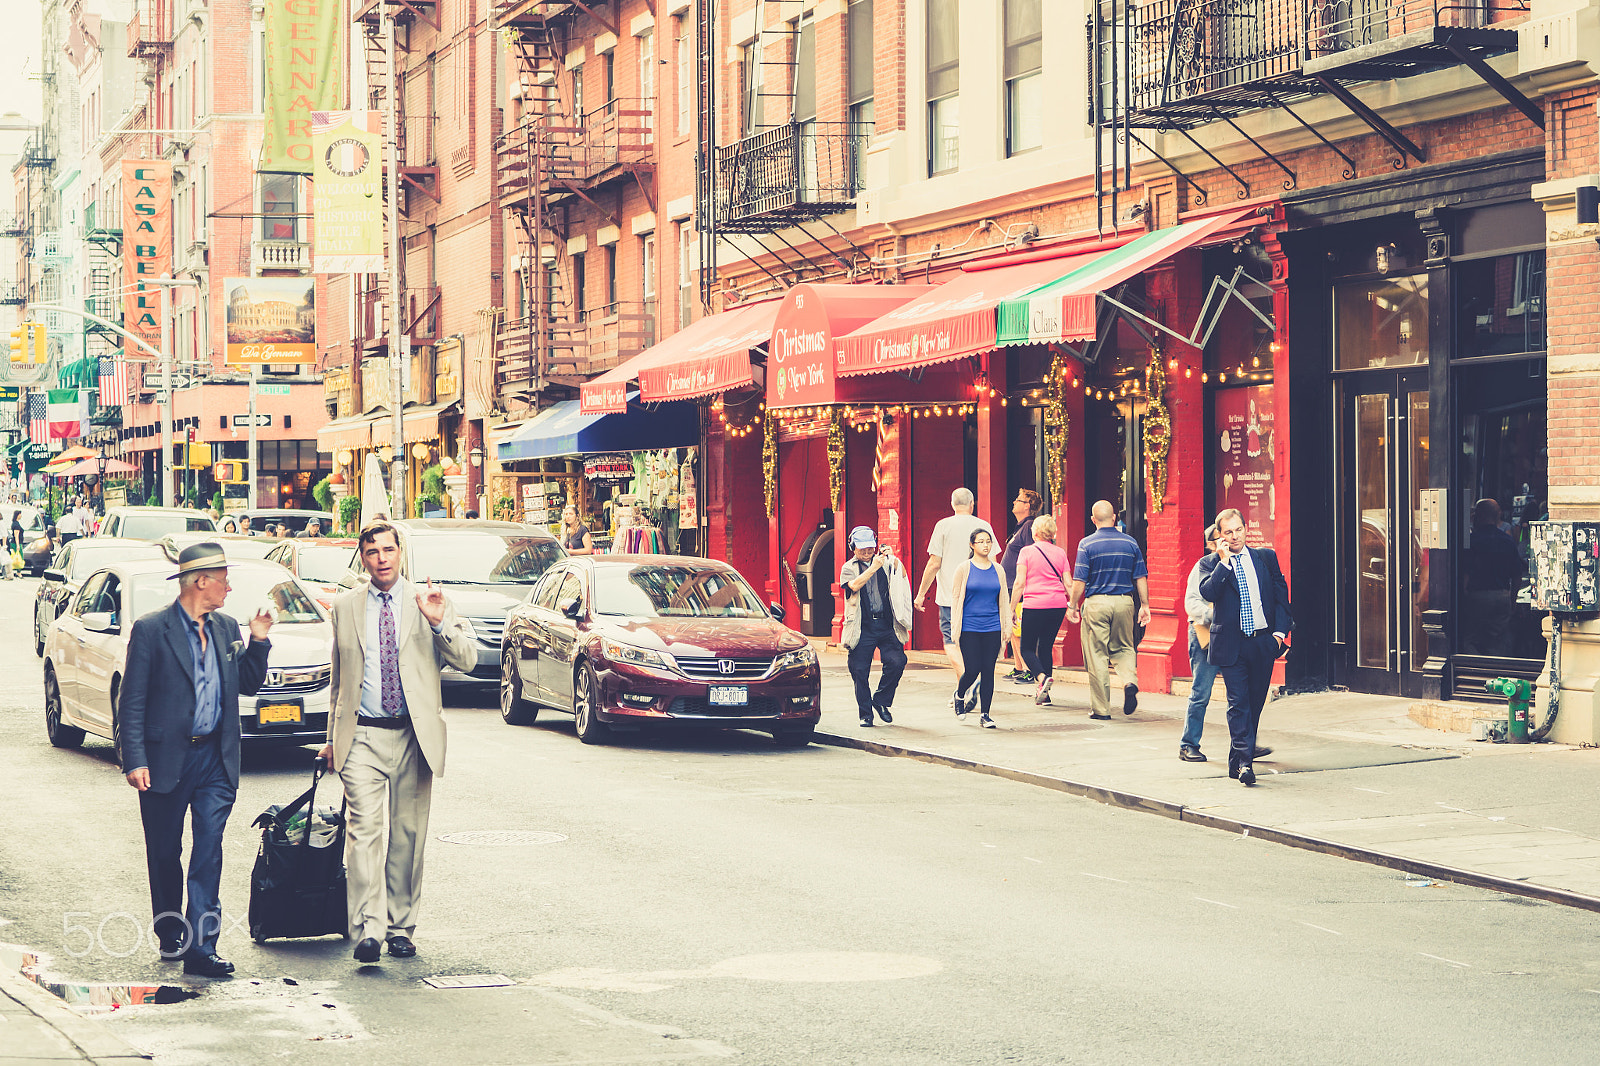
<point x="298" y="886"/>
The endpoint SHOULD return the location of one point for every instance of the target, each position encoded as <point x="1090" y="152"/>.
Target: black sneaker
<point x="1022" y="677"/>
<point x="959" y="704"/>
<point x="866" y="721"/>
<point x="986" y="722"/>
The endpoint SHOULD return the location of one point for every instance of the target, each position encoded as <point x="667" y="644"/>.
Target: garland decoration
<point x="769" y="462"/>
<point x="836" y="457"/>
<point x="1157" y="429"/>
<point x="1056" y="426"/>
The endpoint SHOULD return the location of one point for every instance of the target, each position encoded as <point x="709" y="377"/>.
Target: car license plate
<point x="269" y="713"/>
<point x="729" y="695"/>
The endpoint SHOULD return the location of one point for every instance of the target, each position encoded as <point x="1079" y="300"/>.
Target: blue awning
<point x="565" y="430"/>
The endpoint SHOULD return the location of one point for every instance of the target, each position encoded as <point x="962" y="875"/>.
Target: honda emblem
<point x="724" y="666"/>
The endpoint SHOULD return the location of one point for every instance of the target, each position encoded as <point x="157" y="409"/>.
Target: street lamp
<point x="476" y="455"/>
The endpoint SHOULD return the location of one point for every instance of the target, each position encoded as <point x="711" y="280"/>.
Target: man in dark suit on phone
<point x="1250" y="628"/>
<point x="179" y="734"/>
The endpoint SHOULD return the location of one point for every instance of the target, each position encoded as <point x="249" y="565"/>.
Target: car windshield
<point x="156" y="526"/>
<point x="249" y="591"/>
<point x="481" y="558"/>
<point x="673" y="592"/>
<point x="325" y="564"/>
<point x="30" y="518"/>
<point x="87" y="556"/>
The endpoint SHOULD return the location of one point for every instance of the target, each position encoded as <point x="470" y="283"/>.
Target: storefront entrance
<point x="1385" y="423"/>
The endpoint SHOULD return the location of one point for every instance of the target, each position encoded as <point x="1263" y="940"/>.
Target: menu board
<point x="1244" y="434"/>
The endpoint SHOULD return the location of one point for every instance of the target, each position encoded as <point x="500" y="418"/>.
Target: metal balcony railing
<point x="1334" y="26"/>
<point x="576" y="150"/>
<point x="150" y="29"/>
<point x="788" y="174"/>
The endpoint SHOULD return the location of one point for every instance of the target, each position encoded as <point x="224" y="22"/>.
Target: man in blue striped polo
<point x="1109" y="572"/>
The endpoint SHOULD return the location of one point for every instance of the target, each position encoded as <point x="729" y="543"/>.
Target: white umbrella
<point x="374" y="494"/>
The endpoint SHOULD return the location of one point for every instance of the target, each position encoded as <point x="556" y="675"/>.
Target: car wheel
<point x="797" y="739"/>
<point x="586" y="704"/>
<point x="38" y="635"/>
<point x="513" y="708"/>
<point x="61" y="735"/>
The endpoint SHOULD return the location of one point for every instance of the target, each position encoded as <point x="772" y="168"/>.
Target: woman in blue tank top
<point x="981" y="602"/>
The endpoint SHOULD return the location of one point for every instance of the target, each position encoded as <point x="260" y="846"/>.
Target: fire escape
<point x="562" y="164"/>
<point x="418" y="177"/>
<point x="779" y="176"/>
<point x="1170" y="66"/>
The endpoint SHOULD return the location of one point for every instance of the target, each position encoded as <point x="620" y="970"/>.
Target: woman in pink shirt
<point x="1042" y="570"/>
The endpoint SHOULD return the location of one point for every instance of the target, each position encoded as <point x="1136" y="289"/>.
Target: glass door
<point x="1384" y="426"/>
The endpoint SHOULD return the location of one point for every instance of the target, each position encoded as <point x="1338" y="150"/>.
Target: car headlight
<point x="619" y="652"/>
<point x="789" y="660"/>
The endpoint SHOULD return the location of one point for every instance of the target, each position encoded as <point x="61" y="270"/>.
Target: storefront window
<point x="1381" y="322"/>
<point x="1500" y="305"/>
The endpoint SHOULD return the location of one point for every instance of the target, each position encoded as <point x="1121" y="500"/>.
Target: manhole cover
<point x="503" y="838"/>
<point x="469" y="980"/>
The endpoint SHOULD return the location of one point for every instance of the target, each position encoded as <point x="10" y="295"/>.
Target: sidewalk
<point x="36" y="1027"/>
<point x="1351" y="775"/>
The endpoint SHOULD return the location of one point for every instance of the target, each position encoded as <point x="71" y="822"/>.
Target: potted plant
<point x="322" y="492"/>
<point x="349" y="511"/>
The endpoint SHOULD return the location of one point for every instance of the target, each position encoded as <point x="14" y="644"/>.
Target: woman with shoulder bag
<point x="1042" y="570"/>
<point x="980" y="609"/>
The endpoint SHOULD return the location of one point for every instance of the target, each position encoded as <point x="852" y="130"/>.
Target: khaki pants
<point x="1107" y="634"/>
<point x="385" y="779"/>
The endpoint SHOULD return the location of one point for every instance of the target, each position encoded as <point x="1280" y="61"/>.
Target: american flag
<point x="38" y="418"/>
<point x="113" y="382"/>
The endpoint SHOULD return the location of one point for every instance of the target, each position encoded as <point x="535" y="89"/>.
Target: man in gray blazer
<point x="179" y="731"/>
<point x="386" y="734"/>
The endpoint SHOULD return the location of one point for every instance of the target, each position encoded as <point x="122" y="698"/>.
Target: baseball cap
<point x="863" y="537"/>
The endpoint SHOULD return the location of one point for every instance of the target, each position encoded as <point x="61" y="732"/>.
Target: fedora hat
<point x="206" y="555"/>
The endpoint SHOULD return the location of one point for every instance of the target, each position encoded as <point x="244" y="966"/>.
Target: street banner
<point x="347" y="204"/>
<point x="271" y="320"/>
<point x="305" y="49"/>
<point x="146" y="243"/>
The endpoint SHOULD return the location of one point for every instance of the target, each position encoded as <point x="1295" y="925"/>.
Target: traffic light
<point x="30" y="344"/>
<point x="19" y="344"/>
<point x="229" y="472"/>
<point x="40" y="342"/>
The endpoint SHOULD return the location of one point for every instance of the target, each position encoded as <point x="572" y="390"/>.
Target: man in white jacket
<point x="877" y="618"/>
<point x="1203" y="674"/>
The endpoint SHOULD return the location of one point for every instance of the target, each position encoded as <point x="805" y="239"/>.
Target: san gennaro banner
<point x="271" y="320"/>
<point x="147" y="242"/>
<point x="305" y="73"/>
<point x="348" y="202"/>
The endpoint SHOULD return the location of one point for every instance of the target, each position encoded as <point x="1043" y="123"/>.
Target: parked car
<point x="319" y="562"/>
<point x="486" y="569"/>
<point x="235" y="546"/>
<point x="635" y="641"/>
<point x="260" y="516"/>
<point x="153" y="523"/>
<point x="87" y="648"/>
<point x="66" y="574"/>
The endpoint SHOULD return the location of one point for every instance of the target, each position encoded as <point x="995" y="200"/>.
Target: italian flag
<point x="68" y="413"/>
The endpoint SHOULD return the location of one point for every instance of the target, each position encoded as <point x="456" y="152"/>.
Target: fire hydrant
<point x="1518" y="694"/>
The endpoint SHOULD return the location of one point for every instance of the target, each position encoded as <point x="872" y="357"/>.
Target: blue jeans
<point x="1205" y="675"/>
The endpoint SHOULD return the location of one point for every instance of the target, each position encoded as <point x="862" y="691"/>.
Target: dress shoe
<point x="212" y="965"/>
<point x="1261" y="752"/>
<point x="1130" y="698"/>
<point x="171" y="950"/>
<point x="1101" y="717"/>
<point x="367" y="950"/>
<point x="401" y="947"/>
<point x="883" y="712"/>
<point x="1190" y="753"/>
<point x="1233" y="769"/>
<point x="1247" y="775"/>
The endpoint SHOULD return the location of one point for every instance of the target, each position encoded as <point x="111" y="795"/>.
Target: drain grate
<point x="469" y="980"/>
<point x="503" y="838"/>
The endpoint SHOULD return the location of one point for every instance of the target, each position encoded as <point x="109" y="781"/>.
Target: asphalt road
<point x="709" y="897"/>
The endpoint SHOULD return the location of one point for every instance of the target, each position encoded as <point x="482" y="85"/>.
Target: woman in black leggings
<point x="981" y="610"/>
<point x="1042" y="570"/>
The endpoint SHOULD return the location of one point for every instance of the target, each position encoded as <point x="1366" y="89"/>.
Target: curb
<point x="90" y="1038"/>
<point x="1178" y="812"/>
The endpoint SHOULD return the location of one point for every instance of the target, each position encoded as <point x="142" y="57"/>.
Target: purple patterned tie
<point x="388" y="658"/>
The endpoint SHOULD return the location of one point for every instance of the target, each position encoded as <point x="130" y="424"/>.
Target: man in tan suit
<point x="386" y="734"/>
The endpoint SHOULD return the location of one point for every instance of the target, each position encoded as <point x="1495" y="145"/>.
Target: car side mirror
<point x="99" y="622"/>
<point x="572" y="607"/>
<point x="777" y="611"/>
<point x="53" y="574"/>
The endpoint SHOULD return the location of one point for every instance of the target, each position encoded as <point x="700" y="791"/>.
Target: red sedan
<point x="625" y="642"/>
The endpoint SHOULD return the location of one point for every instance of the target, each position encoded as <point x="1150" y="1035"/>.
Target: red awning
<point x="705" y="358"/>
<point x="955" y="320"/>
<point x="801" y="359"/>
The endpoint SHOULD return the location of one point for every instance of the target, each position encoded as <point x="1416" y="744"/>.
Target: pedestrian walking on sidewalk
<point x="1202" y="675"/>
<point x="949" y="547"/>
<point x="179" y="734"/>
<point x="1025" y="508"/>
<point x="1041" y="588"/>
<point x="386" y="735"/>
<point x="877" y="619"/>
<point x="1109" y="572"/>
<point x="980" y="617"/>
<point x="1250" y="626"/>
